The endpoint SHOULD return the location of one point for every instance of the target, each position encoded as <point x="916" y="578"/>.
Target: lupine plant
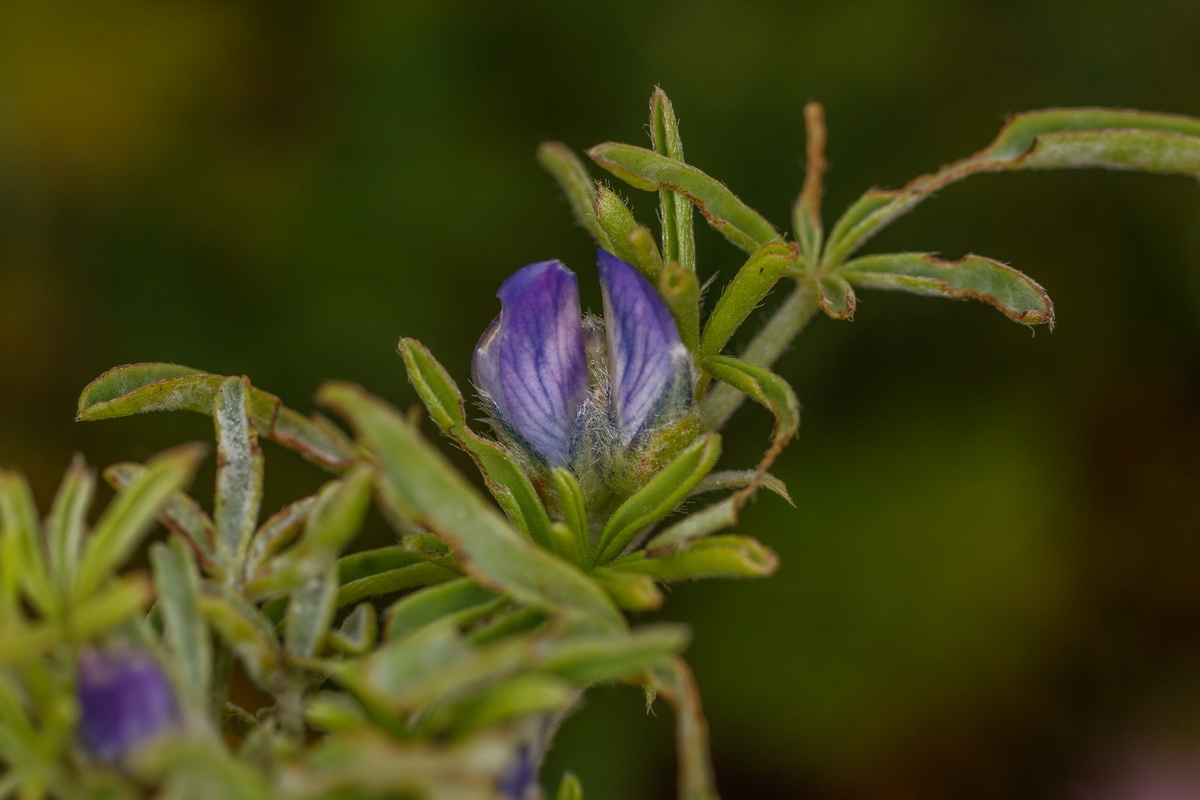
<point x="441" y="666"/>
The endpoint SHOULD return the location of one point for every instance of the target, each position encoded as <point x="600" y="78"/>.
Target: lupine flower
<point x="532" y="361"/>
<point x="521" y="774"/>
<point x="125" y="701"/>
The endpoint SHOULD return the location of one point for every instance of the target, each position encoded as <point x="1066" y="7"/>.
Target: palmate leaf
<point x="1064" y="138"/>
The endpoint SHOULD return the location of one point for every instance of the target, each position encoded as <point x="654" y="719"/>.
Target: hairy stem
<point x="764" y="349"/>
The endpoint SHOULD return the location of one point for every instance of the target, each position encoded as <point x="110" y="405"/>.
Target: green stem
<point x="764" y="349"/>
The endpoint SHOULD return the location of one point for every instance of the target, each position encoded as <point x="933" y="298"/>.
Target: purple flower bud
<point x="125" y="700"/>
<point x="531" y="359"/>
<point x="521" y="774"/>
<point x="649" y="365"/>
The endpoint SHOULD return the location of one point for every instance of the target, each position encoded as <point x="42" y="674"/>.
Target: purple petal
<point x="124" y="700"/>
<point x="531" y="358"/>
<point x="649" y="364"/>
<point x="515" y="781"/>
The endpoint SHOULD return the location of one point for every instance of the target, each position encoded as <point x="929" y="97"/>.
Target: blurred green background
<point x="990" y="586"/>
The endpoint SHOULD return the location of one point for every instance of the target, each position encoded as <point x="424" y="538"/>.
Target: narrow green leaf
<point x="618" y="223"/>
<point x="180" y="514"/>
<point x="178" y="587"/>
<point x="371" y="764"/>
<point x="506" y="624"/>
<point x="11" y="561"/>
<point x="106" y="608"/>
<point x="587" y="659"/>
<point x="247" y="633"/>
<point x="239" y="472"/>
<point x="645" y="169"/>
<point x="120" y="382"/>
<point x="1057" y="138"/>
<point x="338" y="512"/>
<point x="110" y="606"/>
<point x="335" y="518"/>
<point x="765" y="388"/>
<point x="679" y="243"/>
<point x="195" y="770"/>
<point x="711" y="557"/>
<point x="629" y="591"/>
<point x="1024" y="133"/>
<point x="680" y="289"/>
<point x="659" y="496"/>
<point x="649" y="260"/>
<point x="1013" y="293"/>
<point x="836" y="296"/>
<point x="280" y="530"/>
<point x="310" y="613"/>
<point x="358" y="632"/>
<point x="414" y="612"/>
<point x="674" y="682"/>
<point x="67" y="523"/>
<point x="704" y="522"/>
<point x="141" y="388"/>
<point x="413" y="576"/>
<point x="504" y="476"/>
<point x="19" y="738"/>
<point x="21" y="527"/>
<point x="334" y="712"/>
<point x="313" y="437"/>
<point x="572" y="177"/>
<point x="127" y="519"/>
<point x="742" y="295"/>
<point x="806" y="215"/>
<point x="569" y="788"/>
<point x="394" y="675"/>
<point x="371" y="573"/>
<point x="517" y="697"/>
<point x="574" y="510"/>
<point x="490" y="549"/>
<point x="740" y="479"/>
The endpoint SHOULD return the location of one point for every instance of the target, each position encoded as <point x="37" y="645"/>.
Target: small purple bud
<point x="125" y="700"/>
<point x="650" y="367"/>
<point x="531" y="359"/>
<point x="515" y="782"/>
